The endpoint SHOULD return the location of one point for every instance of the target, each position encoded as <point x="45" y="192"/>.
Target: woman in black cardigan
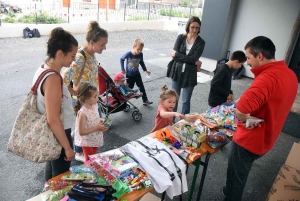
<point x="183" y="68"/>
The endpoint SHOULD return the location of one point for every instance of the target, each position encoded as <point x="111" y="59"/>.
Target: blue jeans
<point x="239" y="165"/>
<point x="78" y="149"/>
<point x="186" y="96"/>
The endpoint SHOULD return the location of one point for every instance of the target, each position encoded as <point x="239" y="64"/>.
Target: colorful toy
<point x="163" y="133"/>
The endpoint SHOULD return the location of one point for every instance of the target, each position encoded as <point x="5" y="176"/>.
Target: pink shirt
<point x="161" y="122"/>
<point x="94" y="139"/>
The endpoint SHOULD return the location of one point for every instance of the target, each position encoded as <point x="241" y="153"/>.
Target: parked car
<point x="4" y="7"/>
<point x="16" y="9"/>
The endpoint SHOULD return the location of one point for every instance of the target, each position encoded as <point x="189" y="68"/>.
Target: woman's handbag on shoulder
<point x="31" y="137"/>
<point x="170" y="65"/>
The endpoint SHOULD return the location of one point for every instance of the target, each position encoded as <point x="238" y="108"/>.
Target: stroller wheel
<point x="127" y="108"/>
<point x="136" y="116"/>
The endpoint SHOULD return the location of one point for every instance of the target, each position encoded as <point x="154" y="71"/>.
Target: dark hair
<point x="95" y="32"/>
<point x="166" y="93"/>
<point x="84" y="92"/>
<point x="190" y="21"/>
<point x="238" y="55"/>
<point x="60" y="40"/>
<point x="263" y="45"/>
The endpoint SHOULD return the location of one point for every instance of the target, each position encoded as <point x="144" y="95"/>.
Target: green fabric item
<point x="101" y="181"/>
<point x="121" y="188"/>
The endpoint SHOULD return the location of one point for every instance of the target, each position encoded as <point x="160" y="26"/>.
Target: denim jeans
<point x="186" y="96"/>
<point x="58" y="166"/>
<point x="239" y="165"/>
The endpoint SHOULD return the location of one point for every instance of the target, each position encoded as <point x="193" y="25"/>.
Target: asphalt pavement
<point x="19" y="58"/>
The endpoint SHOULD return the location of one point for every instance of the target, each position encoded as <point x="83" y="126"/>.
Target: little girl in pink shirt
<point x="89" y="126"/>
<point x="165" y="114"/>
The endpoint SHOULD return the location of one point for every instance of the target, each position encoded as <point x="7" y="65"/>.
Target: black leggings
<point x="131" y="80"/>
<point x="58" y="166"/>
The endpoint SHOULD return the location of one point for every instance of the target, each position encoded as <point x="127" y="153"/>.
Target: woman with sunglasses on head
<point x="85" y="67"/>
<point x="187" y="50"/>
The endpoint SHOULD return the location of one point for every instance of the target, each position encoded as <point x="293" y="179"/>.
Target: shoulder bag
<point x="31" y="137"/>
<point x="170" y="64"/>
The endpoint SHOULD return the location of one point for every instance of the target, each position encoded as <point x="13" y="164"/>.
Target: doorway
<point x="295" y="59"/>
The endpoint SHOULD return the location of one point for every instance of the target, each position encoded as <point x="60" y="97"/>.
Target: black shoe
<point x="224" y="191"/>
<point x="147" y="102"/>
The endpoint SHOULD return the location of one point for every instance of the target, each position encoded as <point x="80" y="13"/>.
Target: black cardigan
<point x="189" y="76"/>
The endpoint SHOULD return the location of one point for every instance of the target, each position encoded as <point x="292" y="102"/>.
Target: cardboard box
<point x="286" y="186"/>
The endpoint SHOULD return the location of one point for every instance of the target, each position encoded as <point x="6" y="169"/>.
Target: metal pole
<point x="35" y="14"/>
<point x="171" y="12"/>
<point x="149" y="12"/>
<point x="98" y="13"/>
<point x="107" y="7"/>
<point x="190" y="10"/>
<point x="125" y="13"/>
<point x="69" y="13"/>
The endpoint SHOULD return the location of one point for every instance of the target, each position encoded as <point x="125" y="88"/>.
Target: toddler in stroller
<point x="115" y="97"/>
<point x="119" y="80"/>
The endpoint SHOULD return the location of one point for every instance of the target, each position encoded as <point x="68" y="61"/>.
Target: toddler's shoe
<point x="147" y="102"/>
<point x="79" y="157"/>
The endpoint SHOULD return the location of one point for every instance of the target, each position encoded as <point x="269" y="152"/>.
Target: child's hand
<point x="148" y="71"/>
<point x="177" y="114"/>
<point x="101" y="127"/>
<point x="230" y="98"/>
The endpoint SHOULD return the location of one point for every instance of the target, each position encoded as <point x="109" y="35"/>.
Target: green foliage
<point x="40" y="18"/>
<point x="11" y="14"/>
<point x="137" y="18"/>
<point x="9" y="20"/>
<point x="178" y="13"/>
<point x="184" y="3"/>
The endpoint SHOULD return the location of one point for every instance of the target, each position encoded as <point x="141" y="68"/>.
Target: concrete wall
<point x="271" y="18"/>
<point x="16" y="30"/>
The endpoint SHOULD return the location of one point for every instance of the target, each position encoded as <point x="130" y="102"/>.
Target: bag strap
<point x="82" y="70"/>
<point x="42" y="75"/>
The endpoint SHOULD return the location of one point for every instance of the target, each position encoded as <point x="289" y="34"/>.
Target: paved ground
<point x="19" y="59"/>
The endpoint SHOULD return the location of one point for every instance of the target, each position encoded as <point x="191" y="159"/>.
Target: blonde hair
<point x="85" y="91"/>
<point x="166" y="93"/>
<point x="138" y="42"/>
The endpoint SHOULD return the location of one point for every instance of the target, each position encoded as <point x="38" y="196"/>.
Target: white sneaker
<point x="79" y="157"/>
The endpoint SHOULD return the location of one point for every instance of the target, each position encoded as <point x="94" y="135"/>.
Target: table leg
<point x="203" y="176"/>
<point x="197" y="164"/>
<point x="163" y="196"/>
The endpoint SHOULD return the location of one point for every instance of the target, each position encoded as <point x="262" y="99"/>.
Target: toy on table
<point x="216" y="137"/>
<point x="79" y="176"/>
<point x="188" y="134"/>
<point x="57" y="195"/>
<point x="59" y="184"/>
<point x="80" y="169"/>
<point x="98" y="166"/>
<point x="221" y="116"/>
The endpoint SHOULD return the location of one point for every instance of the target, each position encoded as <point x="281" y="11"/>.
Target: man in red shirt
<point x="270" y="97"/>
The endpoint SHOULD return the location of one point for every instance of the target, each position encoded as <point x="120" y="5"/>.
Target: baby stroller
<point x="111" y="98"/>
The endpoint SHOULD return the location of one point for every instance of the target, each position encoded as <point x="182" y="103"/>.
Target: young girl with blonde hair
<point x="165" y="114"/>
<point x="89" y="126"/>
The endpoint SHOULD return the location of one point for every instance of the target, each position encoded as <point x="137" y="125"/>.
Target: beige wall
<point x="16" y="30"/>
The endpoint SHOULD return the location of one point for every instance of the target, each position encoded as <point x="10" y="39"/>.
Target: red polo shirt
<point x="270" y="97"/>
